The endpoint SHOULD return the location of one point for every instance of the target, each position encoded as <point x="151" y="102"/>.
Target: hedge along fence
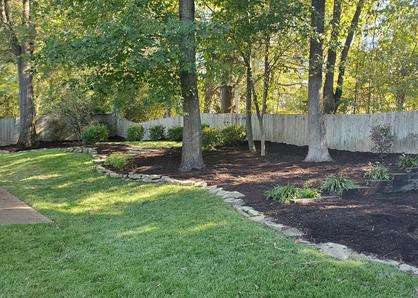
<point x="344" y="132"/>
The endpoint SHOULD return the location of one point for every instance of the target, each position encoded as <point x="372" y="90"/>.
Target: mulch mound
<point x="384" y="225"/>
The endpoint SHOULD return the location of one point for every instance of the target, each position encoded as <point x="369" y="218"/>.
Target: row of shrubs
<point x="212" y="137"/>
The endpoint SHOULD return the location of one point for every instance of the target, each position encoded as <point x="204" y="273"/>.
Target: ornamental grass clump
<point x="288" y="193"/>
<point x="378" y="172"/>
<point x="337" y="184"/>
<point x="118" y="160"/>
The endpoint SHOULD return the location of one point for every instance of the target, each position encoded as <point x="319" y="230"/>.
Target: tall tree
<point x="20" y="39"/>
<point x="318" y="151"/>
<point x="192" y="132"/>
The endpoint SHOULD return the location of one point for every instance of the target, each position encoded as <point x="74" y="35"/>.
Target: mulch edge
<point x="234" y="198"/>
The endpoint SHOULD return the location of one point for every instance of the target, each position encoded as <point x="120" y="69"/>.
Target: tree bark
<point x="318" y="151"/>
<point x="192" y="157"/>
<point x="226" y="98"/>
<point x="248" y="113"/>
<point x="208" y="98"/>
<point x="344" y="53"/>
<point x="329" y="96"/>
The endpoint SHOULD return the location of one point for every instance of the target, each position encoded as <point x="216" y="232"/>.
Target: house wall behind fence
<point x="344" y="132"/>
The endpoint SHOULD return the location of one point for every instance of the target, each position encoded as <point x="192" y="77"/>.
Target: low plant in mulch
<point x="233" y="135"/>
<point x="211" y="138"/>
<point x="94" y="134"/>
<point x="378" y="172"/>
<point x="408" y="161"/>
<point x="175" y="134"/>
<point x="157" y="133"/>
<point x="337" y="184"/>
<point x="287" y="193"/>
<point x="136" y="133"/>
<point x="118" y="160"/>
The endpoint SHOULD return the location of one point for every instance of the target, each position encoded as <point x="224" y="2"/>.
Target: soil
<point x="383" y="225"/>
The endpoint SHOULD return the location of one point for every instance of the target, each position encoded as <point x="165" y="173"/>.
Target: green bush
<point x="233" y="135"/>
<point x="408" y="161"/>
<point x="175" y="134"/>
<point x="157" y="133"/>
<point x="337" y="184"/>
<point x="135" y="133"/>
<point x="118" y="160"/>
<point x="382" y="138"/>
<point x="205" y="126"/>
<point x="286" y="193"/>
<point x="94" y="134"/>
<point x="378" y="172"/>
<point x="211" y="138"/>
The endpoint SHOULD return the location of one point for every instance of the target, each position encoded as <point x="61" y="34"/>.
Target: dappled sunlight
<point x="202" y="228"/>
<point x="41" y="177"/>
<point x="140" y="230"/>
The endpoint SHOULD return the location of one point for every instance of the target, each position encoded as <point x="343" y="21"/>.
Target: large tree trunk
<point x="329" y="96"/>
<point x="344" y="53"/>
<point x="248" y="113"/>
<point x="192" y="132"/>
<point x="318" y="151"/>
<point x="226" y="98"/>
<point x="27" y="133"/>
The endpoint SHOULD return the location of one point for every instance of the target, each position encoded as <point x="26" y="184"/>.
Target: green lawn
<point x="118" y="239"/>
<point x="150" y="144"/>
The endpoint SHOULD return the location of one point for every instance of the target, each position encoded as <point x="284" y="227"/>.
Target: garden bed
<point x="387" y="228"/>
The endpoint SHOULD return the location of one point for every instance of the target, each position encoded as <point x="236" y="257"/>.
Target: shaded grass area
<point x="150" y="144"/>
<point x="116" y="238"/>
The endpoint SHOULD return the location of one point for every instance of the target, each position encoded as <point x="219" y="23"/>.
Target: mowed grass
<point x="114" y="238"/>
<point x="150" y="144"/>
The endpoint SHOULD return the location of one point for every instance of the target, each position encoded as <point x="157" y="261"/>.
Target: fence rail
<point x="344" y="132"/>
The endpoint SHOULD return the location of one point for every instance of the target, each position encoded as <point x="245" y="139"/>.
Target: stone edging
<point x="234" y="198"/>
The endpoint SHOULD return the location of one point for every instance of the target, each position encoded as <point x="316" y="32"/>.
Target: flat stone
<point x="292" y="232"/>
<point x="235" y="194"/>
<point x="275" y="226"/>
<point x="135" y="176"/>
<point x="186" y="182"/>
<point x="116" y="175"/>
<point x="409" y="269"/>
<point x="154" y="177"/>
<point x="215" y="190"/>
<point x="4" y="151"/>
<point x="250" y="211"/>
<point x="336" y="250"/>
<point x="100" y="168"/>
<point x="200" y="184"/>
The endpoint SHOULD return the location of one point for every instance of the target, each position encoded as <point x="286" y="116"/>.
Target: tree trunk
<point x="208" y="98"/>
<point x="27" y="132"/>
<point x="344" y="53"/>
<point x="329" y="96"/>
<point x="318" y="151"/>
<point x="192" y="131"/>
<point x="226" y="98"/>
<point x="248" y="113"/>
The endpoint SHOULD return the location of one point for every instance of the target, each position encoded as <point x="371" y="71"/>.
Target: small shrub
<point x="233" y="135"/>
<point x="337" y="184"/>
<point x="117" y="160"/>
<point x="382" y="139"/>
<point x="157" y="133"/>
<point x="211" y="138"/>
<point x="286" y="193"/>
<point x="175" y="134"/>
<point x="408" y="161"/>
<point x="94" y="134"/>
<point x="205" y="126"/>
<point x="135" y="133"/>
<point x="378" y="172"/>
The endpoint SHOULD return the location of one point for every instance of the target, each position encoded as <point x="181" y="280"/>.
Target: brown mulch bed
<point x="384" y="225"/>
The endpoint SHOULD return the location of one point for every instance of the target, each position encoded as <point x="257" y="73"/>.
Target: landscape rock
<point x="336" y="250"/>
<point x="409" y="269"/>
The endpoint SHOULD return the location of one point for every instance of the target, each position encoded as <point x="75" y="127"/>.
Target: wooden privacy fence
<point x="344" y="132"/>
<point x="9" y="131"/>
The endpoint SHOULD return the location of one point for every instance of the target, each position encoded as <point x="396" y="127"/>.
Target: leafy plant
<point x="286" y="193"/>
<point x="157" y="133"/>
<point x="175" y="134"/>
<point x="94" y="134"/>
<point x="408" y="161"/>
<point x="378" y="172"/>
<point x="211" y="138"/>
<point x="135" y="133"/>
<point x="118" y="160"/>
<point x="337" y="184"/>
<point x="233" y="135"/>
<point x="382" y="138"/>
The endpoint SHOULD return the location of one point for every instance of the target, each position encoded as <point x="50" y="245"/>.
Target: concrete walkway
<point x="14" y="211"/>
